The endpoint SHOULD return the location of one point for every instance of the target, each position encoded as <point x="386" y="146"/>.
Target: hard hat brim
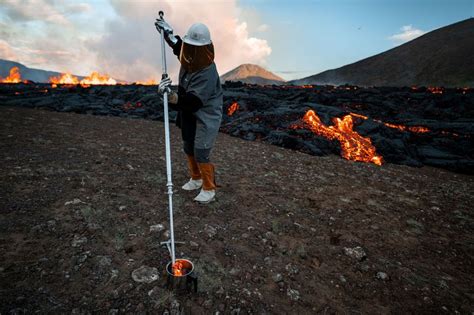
<point x="193" y="42"/>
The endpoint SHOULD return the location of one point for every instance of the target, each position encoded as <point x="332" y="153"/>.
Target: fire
<point x="95" y="78"/>
<point x="232" y="108"/>
<point x="64" y="78"/>
<point x="178" y="268"/>
<point x="354" y="146"/>
<point x="13" y="77"/>
<point x="149" y="82"/>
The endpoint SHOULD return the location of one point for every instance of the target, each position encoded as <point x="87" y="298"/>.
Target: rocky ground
<point x="82" y="200"/>
<point x="269" y="113"/>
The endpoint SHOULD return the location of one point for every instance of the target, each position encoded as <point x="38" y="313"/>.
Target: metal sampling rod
<point x="169" y="183"/>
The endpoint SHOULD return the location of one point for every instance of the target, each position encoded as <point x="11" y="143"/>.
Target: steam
<point x="131" y="47"/>
<point x="118" y="37"/>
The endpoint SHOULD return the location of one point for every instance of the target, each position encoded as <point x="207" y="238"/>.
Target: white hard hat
<point x="198" y="35"/>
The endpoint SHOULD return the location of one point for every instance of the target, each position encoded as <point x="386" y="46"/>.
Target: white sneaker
<point x="193" y="184"/>
<point x="205" y="196"/>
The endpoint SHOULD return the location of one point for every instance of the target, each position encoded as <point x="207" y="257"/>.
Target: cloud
<point x="131" y="48"/>
<point x="6" y="51"/>
<point x="263" y="28"/>
<point x="122" y="40"/>
<point x="34" y="10"/>
<point x="78" y="8"/>
<point x="407" y="33"/>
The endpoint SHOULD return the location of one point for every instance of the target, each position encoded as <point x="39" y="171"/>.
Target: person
<point x="198" y="102"/>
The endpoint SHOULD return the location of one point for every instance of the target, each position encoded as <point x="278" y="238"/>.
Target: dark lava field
<point x="413" y="126"/>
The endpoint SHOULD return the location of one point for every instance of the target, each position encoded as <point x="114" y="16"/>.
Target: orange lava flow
<point x="354" y="147"/>
<point x="232" y="108"/>
<point x="178" y="268"/>
<point x="13" y="77"/>
<point x="414" y="129"/>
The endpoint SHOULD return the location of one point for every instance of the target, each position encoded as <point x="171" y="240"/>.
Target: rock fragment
<point x="157" y="228"/>
<point x="293" y="294"/>
<point x="145" y="274"/>
<point x="382" y="276"/>
<point x="357" y="253"/>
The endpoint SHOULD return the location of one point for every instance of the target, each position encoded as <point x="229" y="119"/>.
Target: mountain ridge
<point x="252" y="74"/>
<point x="27" y="73"/>
<point x="438" y="58"/>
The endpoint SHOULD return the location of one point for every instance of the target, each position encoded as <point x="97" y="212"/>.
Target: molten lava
<point x="435" y="90"/>
<point x="178" y="268"/>
<point x="13" y="77"/>
<point x="414" y="129"/>
<point x="232" y="108"/>
<point x="354" y="147"/>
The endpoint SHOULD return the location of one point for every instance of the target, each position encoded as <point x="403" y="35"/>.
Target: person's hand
<point x="162" y="25"/>
<point x="164" y="86"/>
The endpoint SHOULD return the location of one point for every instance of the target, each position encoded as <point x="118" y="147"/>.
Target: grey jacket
<point x="206" y="85"/>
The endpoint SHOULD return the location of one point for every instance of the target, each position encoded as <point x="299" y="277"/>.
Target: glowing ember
<point x="232" y="108"/>
<point x="435" y="90"/>
<point x="178" y="268"/>
<point x="354" y="147"/>
<point x="13" y="77"/>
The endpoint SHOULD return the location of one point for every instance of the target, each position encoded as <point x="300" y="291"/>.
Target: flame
<point x="94" y="78"/>
<point x="97" y="78"/>
<point x="13" y="77"/>
<point x="64" y="78"/>
<point x="178" y="268"/>
<point x="149" y="82"/>
<point x="232" y="108"/>
<point x="354" y="146"/>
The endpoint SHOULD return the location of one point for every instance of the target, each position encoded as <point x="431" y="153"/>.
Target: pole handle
<point x="161" y="14"/>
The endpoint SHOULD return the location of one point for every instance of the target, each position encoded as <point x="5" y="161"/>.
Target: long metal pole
<point x="169" y="183"/>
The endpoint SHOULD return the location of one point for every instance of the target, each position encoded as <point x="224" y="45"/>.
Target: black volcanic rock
<point x="273" y="114"/>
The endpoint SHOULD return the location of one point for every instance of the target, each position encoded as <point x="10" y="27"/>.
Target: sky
<point x="292" y="38"/>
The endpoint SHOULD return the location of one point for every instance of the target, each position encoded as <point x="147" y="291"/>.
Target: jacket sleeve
<point x="187" y="101"/>
<point x="177" y="47"/>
